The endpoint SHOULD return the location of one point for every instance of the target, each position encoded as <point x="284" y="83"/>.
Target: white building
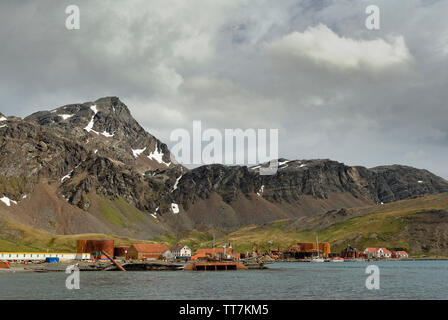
<point x="39" y="256"/>
<point x="378" y="253"/>
<point x="402" y="254"/>
<point x="181" y="251"/>
<point x="373" y="252"/>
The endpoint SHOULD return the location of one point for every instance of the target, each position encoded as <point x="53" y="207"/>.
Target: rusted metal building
<point x="350" y="252"/>
<point x="218" y="253"/>
<point x="308" y="249"/>
<point x="95" y="247"/>
<point x="146" y="251"/>
<point x="120" y="251"/>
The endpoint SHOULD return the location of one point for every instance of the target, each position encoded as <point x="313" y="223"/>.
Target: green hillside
<point x="418" y="225"/>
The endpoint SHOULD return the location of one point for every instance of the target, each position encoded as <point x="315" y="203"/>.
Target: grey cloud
<point x="174" y="62"/>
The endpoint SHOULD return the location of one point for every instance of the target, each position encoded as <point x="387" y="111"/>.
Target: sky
<point x="311" y="69"/>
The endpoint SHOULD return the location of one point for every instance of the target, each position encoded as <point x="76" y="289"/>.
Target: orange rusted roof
<point x="150" y="247"/>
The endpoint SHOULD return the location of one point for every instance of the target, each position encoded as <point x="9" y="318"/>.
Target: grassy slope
<point x="380" y="225"/>
<point x="119" y="212"/>
<point x="21" y="238"/>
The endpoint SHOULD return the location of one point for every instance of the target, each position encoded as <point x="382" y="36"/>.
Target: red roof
<point x="402" y="253"/>
<point x="386" y="251"/>
<point x="150" y="247"/>
<point x="372" y="250"/>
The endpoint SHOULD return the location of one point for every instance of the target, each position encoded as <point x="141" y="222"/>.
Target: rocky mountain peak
<point x="107" y="127"/>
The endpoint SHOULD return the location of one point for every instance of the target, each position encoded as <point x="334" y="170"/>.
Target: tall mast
<point x="213" y="244"/>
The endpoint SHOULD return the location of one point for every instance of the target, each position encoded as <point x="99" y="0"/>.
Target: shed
<point x="146" y="251"/>
<point x="52" y="260"/>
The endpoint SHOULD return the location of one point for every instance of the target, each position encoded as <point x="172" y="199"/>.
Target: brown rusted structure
<point x="120" y="251"/>
<point x="113" y="261"/>
<point x="350" y="252"/>
<point x="215" y="266"/>
<point x="308" y="249"/>
<point x="216" y="253"/>
<point x="95" y="247"/>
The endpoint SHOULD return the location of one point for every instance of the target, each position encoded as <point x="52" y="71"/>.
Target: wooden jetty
<point x="150" y="266"/>
<point x="215" y="266"/>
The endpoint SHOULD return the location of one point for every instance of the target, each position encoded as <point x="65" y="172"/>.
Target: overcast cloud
<point x="309" y="68"/>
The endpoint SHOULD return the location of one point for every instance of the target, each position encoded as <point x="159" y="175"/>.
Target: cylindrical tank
<point x="95" y="246"/>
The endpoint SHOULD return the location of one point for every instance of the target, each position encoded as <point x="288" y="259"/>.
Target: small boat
<point x="337" y="259"/>
<point x="254" y="265"/>
<point x="317" y="258"/>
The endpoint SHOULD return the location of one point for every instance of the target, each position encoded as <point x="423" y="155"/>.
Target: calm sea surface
<point x="398" y="280"/>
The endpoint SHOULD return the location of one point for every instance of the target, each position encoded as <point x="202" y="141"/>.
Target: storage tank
<point x="95" y="246"/>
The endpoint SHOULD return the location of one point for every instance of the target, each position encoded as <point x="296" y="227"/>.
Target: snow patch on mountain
<point x="67" y="176"/>
<point x="65" y="116"/>
<point x="107" y="134"/>
<point x="283" y="162"/>
<point x="176" y="183"/>
<point x="260" y="192"/>
<point x="175" y="208"/>
<point x="137" y="152"/>
<point x="7" y="201"/>
<point x="158" y="156"/>
<point x="89" y="127"/>
<point x="154" y="215"/>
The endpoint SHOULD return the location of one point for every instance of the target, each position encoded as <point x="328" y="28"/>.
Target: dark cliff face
<point x="28" y="150"/>
<point x="397" y="182"/>
<point x="317" y="178"/>
<point x="97" y="147"/>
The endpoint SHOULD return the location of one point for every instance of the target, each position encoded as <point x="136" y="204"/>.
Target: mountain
<point x="91" y="168"/>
